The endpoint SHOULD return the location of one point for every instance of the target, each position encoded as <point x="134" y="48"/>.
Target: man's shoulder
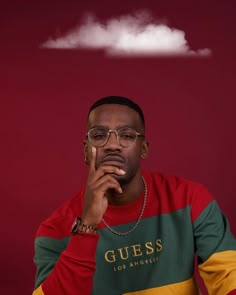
<point x="171" y="181"/>
<point x="177" y="192"/>
<point x="58" y="224"/>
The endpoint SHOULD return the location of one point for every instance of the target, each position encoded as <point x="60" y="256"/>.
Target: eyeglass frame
<point x="109" y="131"/>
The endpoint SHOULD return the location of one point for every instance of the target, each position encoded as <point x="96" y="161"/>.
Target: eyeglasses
<point x="126" y="136"/>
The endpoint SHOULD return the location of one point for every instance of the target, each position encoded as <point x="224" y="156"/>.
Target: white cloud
<point x="130" y="35"/>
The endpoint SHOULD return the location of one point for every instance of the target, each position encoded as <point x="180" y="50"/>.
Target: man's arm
<point x="70" y="270"/>
<point x="215" y="246"/>
<point x="67" y="272"/>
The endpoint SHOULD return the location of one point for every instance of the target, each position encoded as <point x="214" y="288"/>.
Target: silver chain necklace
<point x="139" y="218"/>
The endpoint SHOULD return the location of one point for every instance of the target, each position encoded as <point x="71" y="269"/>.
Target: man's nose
<point x="112" y="139"/>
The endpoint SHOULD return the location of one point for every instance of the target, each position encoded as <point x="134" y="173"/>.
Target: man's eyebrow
<point x="98" y="126"/>
<point x="117" y="127"/>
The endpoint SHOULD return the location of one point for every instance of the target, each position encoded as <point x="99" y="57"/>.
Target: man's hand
<point x="98" y="183"/>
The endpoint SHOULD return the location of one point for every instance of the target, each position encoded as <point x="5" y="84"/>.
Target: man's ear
<point x="145" y="149"/>
<point x="85" y="151"/>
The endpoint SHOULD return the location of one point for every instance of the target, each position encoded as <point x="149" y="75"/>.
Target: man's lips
<point x="113" y="160"/>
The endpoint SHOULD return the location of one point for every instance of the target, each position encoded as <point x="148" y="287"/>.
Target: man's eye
<point x="99" y="136"/>
<point x="127" y="136"/>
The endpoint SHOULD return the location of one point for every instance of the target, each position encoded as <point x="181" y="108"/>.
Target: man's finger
<point x="105" y="183"/>
<point x="92" y="164"/>
<point x="102" y="170"/>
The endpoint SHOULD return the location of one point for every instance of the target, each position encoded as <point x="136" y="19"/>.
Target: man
<point x="129" y="231"/>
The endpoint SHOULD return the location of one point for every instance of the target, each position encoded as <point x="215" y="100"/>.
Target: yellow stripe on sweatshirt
<point x="185" y="287"/>
<point x="219" y="272"/>
<point x="38" y="291"/>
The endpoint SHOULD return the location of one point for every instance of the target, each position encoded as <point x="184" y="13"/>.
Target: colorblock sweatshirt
<point x="181" y="219"/>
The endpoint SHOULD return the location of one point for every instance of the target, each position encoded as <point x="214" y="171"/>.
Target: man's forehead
<point x="113" y="113"/>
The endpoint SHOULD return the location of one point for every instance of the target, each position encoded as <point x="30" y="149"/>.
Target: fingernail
<point x="120" y="190"/>
<point x="122" y="171"/>
<point x="93" y="149"/>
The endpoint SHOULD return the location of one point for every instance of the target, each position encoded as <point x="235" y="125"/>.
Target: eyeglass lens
<point x="125" y="136"/>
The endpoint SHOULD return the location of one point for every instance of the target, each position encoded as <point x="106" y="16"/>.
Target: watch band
<point x="79" y="227"/>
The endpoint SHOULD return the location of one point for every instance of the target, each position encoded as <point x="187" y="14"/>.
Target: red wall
<point x="189" y="106"/>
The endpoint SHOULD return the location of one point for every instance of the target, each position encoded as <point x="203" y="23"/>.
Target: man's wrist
<point x="79" y="226"/>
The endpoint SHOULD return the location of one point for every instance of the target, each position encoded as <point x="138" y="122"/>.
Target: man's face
<point x="114" y="116"/>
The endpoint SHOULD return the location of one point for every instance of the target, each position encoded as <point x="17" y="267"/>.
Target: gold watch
<point x="79" y="227"/>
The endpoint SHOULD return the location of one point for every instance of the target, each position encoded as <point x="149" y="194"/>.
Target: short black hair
<point x="119" y="100"/>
